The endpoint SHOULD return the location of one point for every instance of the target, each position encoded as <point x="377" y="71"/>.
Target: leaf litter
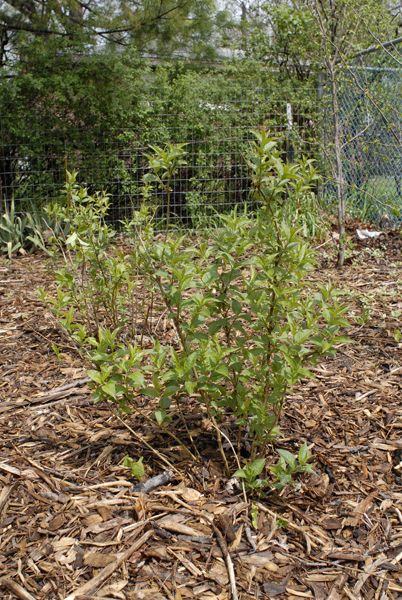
<point x="73" y="524"/>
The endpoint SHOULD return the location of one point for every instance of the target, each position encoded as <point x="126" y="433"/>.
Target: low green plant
<point x="281" y="523"/>
<point x="97" y="281"/>
<point x="365" y="315"/>
<point x="366" y="310"/>
<point x="250" y="475"/>
<point x="254" y="512"/>
<point x="282" y="473"/>
<point x="164" y="163"/>
<point x="244" y="331"/>
<point x="136" y="467"/>
<point x="288" y="185"/>
<point x="119" y="368"/>
<point x="21" y="233"/>
<point x="289" y="465"/>
<point x="202" y="215"/>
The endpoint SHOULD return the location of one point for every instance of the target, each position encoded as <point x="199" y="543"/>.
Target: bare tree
<point x="343" y="29"/>
<point x="330" y="23"/>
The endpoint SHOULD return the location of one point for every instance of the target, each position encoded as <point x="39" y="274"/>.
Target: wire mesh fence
<point x="215" y="132"/>
<point x="213" y="177"/>
<point x="371" y="123"/>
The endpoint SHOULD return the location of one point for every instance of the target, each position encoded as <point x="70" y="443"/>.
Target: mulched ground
<point x="72" y="526"/>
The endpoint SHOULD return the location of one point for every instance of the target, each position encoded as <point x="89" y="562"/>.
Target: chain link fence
<point x="371" y="124"/>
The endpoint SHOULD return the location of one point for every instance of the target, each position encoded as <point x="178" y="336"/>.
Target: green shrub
<point x="287" y="186"/>
<point x="164" y="164"/>
<point x="246" y="325"/>
<point x="96" y="282"/>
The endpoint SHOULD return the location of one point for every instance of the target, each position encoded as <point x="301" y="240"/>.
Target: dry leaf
<point x="262" y="560"/>
<point x="63" y="543"/>
<point x="57" y="522"/>
<point x="188" y="494"/>
<point x="98" y="559"/>
<point x="236" y="542"/>
<point x="274" y="589"/>
<point x="318" y="485"/>
<point x="93" y="519"/>
<point x="218" y="573"/>
<point x="331" y="523"/>
<point x="172" y="525"/>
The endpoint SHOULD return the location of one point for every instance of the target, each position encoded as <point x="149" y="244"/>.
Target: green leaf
<point x="150" y="392"/>
<point x="95" y="376"/>
<point x="160" y="416"/>
<point x="240" y="474"/>
<point x="302" y="336"/>
<point x="137" y="379"/>
<point x="222" y="370"/>
<point x="190" y="387"/>
<point x="256" y="467"/>
<point x="304" y="454"/>
<point x="136" y="467"/>
<point x="288" y="457"/>
<point x="216" y="326"/>
<point x="236" y="306"/>
<point x="109" y="389"/>
<point x="72" y="238"/>
<point x="254" y="516"/>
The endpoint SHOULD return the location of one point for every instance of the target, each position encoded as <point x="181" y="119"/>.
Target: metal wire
<point x="214" y="178"/>
<point x="371" y="123"/>
<point x="216" y="134"/>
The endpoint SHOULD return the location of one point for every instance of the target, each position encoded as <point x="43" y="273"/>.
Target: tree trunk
<point x="338" y="170"/>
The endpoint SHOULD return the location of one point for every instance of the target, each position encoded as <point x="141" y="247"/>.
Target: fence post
<point x="289" y="146"/>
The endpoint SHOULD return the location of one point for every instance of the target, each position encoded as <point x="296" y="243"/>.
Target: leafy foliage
<point x="250" y="474"/>
<point x="77" y="91"/>
<point x="290" y="465"/>
<point x="245" y="327"/>
<point x="284" y="471"/>
<point x="99" y="113"/>
<point x="146" y="25"/>
<point x="164" y="164"/>
<point x="136" y="467"/>
<point x="21" y="233"/>
<point x="119" y="370"/>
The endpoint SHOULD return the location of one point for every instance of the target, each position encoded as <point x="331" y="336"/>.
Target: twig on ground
<point x="250" y="540"/>
<point x="221" y="449"/>
<point x="155" y="482"/>
<point x="89" y="587"/>
<point x="228" y="561"/>
<point x="16" y="589"/>
<point x="60" y="392"/>
<point x="223" y="434"/>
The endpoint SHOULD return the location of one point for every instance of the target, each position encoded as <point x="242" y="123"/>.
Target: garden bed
<point x="71" y="525"/>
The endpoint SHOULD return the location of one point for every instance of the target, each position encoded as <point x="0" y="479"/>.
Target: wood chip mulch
<point x="72" y="525"/>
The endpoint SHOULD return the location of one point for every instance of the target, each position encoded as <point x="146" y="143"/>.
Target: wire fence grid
<point x="213" y="179"/>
